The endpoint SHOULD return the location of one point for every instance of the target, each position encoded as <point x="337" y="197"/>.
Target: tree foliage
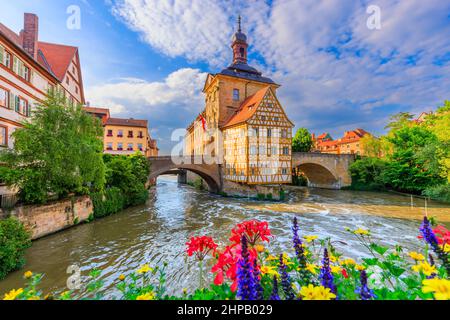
<point x="57" y="153"/>
<point x="14" y="239"/>
<point x="302" y="141"/>
<point x="412" y="157"/>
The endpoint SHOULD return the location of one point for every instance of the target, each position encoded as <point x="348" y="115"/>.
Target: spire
<point x="239" y="44"/>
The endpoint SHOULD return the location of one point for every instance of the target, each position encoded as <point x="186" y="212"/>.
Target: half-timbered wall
<point x="235" y="153"/>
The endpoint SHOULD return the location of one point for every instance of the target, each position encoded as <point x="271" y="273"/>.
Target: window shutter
<point x="12" y="100"/>
<point x="20" y="68"/>
<point x="16" y="65"/>
<point x="17" y="104"/>
<point x="2" y="54"/>
<point x="28" y="112"/>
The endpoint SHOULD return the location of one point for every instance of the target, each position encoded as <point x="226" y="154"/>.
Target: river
<point x="157" y="232"/>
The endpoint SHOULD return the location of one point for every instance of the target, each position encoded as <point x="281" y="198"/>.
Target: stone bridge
<point x="323" y="170"/>
<point x="210" y="173"/>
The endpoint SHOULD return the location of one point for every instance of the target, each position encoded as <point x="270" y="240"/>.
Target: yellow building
<point x="124" y="136"/>
<point x="243" y="123"/>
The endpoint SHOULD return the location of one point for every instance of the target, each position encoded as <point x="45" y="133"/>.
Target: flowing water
<point x="157" y="232"/>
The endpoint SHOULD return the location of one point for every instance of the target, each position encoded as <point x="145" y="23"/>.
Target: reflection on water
<point x="158" y="231"/>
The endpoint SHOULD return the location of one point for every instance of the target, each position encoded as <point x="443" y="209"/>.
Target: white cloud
<point x="167" y="104"/>
<point x="328" y="62"/>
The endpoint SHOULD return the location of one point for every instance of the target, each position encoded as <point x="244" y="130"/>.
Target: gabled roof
<point x="58" y="57"/>
<point x="96" y="110"/>
<point x="11" y="35"/>
<point x="127" y="122"/>
<point x="247" y="108"/>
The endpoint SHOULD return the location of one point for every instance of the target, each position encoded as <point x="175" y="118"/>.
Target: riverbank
<point x="157" y="232"/>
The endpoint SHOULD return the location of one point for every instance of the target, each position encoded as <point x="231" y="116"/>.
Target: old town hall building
<point x="244" y="122"/>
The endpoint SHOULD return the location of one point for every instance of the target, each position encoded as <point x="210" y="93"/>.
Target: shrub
<point x="198" y="184"/>
<point x="367" y="174"/>
<point x="269" y="196"/>
<point x="109" y="202"/>
<point x="261" y="196"/>
<point x="439" y="193"/>
<point x="14" y="239"/>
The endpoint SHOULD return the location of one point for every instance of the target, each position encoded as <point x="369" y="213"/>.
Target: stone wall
<point x="251" y="191"/>
<point x="43" y="220"/>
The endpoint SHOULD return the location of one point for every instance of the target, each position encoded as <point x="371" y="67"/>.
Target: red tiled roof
<point x="96" y="110"/>
<point x="11" y="35"/>
<point x="247" y="108"/>
<point x="127" y="122"/>
<point x="58" y="56"/>
<point x="323" y="135"/>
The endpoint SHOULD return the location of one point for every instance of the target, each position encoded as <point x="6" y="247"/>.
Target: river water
<point x="157" y="232"/>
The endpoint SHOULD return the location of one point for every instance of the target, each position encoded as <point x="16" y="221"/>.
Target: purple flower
<point x="427" y="233"/>
<point x="300" y="253"/>
<point x="246" y="285"/>
<point x="274" y="295"/>
<point x="326" y="278"/>
<point x="364" y="292"/>
<point x="259" y="291"/>
<point x="286" y="281"/>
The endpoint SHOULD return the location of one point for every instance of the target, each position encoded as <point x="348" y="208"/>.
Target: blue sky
<point x="149" y="58"/>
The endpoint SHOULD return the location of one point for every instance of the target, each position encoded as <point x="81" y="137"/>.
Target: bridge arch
<point x="330" y="171"/>
<point x="319" y="176"/>
<point x="209" y="173"/>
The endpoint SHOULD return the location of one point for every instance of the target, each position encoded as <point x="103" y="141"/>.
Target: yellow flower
<point x="425" y="268"/>
<point x="348" y="262"/>
<point x="439" y="287"/>
<point x="312" y="268"/>
<point x="316" y="293"/>
<point x="34" y="298"/>
<point x="146" y="296"/>
<point x="184" y="291"/>
<point x="28" y="275"/>
<point x="310" y="238"/>
<point x="362" y="232"/>
<point x="12" y="295"/>
<point x="49" y="297"/>
<point x="286" y="260"/>
<point x="144" y="269"/>
<point x="445" y="247"/>
<point x="122" y="277"/>
<point x="336" y="269"/>
<point x="271" y="258"/>
<point x="360" y="267"/>
<point x="416" y="256"/>
<point x="271" y="271"/>
<point x="333" y="258"/>
<point x="259" y="248"/>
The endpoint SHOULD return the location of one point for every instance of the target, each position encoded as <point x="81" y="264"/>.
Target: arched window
<point x="242" y="51"/>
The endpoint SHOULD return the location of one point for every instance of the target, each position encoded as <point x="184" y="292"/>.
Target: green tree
<point x="414" y="163"/>
<point x="302" y="141"/>
<point x="130" y="175"/>
<point x="57" y="153"/>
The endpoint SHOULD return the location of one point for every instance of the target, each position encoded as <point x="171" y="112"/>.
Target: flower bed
<point x="244" y="269"/>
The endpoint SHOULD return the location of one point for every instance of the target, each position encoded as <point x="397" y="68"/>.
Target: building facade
<point x="350" y="143"/>
<point x="124" y="136"/>
<point x="243" y="123"/>
<point x="28" y="69"/>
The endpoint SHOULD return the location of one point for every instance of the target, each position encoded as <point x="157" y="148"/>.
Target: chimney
<point x="30" y="34"/>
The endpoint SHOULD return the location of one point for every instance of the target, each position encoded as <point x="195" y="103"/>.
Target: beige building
<point x="124" y="136"/>
<point x="243" y="123"/>
<point x="350" y="143"/>
<point x="28" y="68"/>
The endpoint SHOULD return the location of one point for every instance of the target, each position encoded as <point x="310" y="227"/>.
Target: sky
<point x="149" y="58"/>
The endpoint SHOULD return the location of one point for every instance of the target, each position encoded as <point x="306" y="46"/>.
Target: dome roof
<point x="239" y="36"/>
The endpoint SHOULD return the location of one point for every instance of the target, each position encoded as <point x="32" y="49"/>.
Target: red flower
<point x="344" y="273"/>
<point x="201" y="246"/>
<point x="254" y="230"/>
<point x="227" y="264"/>
<point x="442" y="234"/>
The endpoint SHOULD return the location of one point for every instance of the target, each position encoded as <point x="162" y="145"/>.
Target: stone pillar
<point x="182" y="177"/>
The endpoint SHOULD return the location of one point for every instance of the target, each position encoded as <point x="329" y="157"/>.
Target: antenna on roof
<point x="239" y="23"/>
